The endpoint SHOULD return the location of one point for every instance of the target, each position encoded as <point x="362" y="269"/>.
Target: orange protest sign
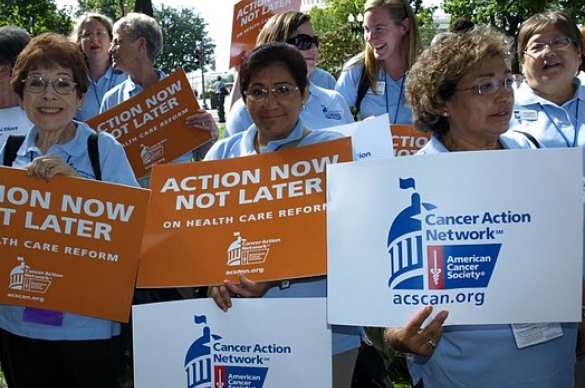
<point x="249" y="18"/>
<point x="406" y="140"/>
<point x="69" y="245"/>
<point x="263" y="215"/>
<point x="151" y="125"/>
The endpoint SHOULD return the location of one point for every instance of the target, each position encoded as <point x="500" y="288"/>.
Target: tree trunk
<point x="145" y="7"/>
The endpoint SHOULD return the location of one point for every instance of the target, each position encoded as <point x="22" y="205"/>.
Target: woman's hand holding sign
<point x="47" y="166"/>
<point x="202" y="119"/>
<point x="413" y="338"/>
<point x="222" y="295"/>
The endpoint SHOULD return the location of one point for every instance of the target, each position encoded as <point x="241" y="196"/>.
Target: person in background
<point x="93" y="34"/>
<point x="461" y="25"/>
<point x="550" y="103"/>
<point x="372" y="82"/>
<point x="461" y="91"/>
<point x="13" y="120"/>
<point x="324" y="108"/>
<point x="136" y="42"/>
<point x="45" y="348"/>
<point x="273" y="79"/>
<point x="220" y="93"/>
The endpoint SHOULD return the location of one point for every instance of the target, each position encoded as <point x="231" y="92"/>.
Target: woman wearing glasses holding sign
<point x="273" y="79"/>
<point x="550" y="104"/>
<point x="45" y="348"/>
<point x="323" y="108"/>
<point x="372" y="82"/>
<point x="461" y="91"/>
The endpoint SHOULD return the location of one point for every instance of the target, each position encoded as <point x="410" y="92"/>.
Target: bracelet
<point x="385" y="336"/>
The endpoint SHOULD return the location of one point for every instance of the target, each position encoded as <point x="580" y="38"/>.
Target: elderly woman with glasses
<point x="324" y="108"/>
<point x="275" y="88"/>
<point x="45" y="348"/>
<point x="461" y="90"/>
<point x="550" y="104"/>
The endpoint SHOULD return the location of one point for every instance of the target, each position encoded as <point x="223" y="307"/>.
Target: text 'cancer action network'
<point x="433" y="221"/>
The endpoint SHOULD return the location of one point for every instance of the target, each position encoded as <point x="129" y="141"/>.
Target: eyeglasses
<point x="304" y="41"/>
<point x="281" y="92"/>
<point x="491" y="85"/>
<point x="558" y="43"/>
<point x="98" y="34"/>
<point x="36" y="84"/>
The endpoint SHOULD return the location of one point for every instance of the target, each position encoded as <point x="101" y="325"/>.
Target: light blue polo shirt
<point x="322" y="79"/>
<point x="97" y="91"/>
<point x="389" y="96"/>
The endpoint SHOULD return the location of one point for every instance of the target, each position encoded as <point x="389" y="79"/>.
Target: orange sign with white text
<point x="406" y="140"/>
<point x="151" y="125"/>
<point x="70" y="245"/>
<point x="263" y="215"/>
<point x="249" y="18"/>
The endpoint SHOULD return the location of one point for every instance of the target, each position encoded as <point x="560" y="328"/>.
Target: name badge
<point x="529" y="115"/>
<point x="380" y="88"/>
<point x="528" y="334"/>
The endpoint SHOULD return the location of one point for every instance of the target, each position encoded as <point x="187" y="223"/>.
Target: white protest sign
<point x="371" y="138"/>
<point x="267" y="342"/>
<point x="493" y="237"/>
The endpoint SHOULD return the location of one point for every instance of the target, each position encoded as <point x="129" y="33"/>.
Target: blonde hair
<point x="411" y="41"/>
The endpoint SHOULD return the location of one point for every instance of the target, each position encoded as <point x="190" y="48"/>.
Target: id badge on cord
<point x="528" y="334"/>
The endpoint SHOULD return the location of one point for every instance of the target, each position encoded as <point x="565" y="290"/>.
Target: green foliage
<point x="36" y="16"/>
<point x="507" y="16"/>
<point x="183" y="32"/>
<point x="112" y="8"/>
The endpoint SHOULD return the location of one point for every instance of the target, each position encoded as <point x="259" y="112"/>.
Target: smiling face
<point x="275" y="117"/>
<point x="382" y="33"/>
<point x="552" y="71"/>
<point x="49" y="110"/>
<point x="480" y="118"/>
<point x="95" y="41"/>
<point x="310" y="55"/>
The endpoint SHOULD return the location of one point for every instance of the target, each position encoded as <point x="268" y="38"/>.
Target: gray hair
<point x="139" y="25"/>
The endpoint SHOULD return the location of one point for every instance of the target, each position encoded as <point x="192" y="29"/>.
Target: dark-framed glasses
<point x="490" y="85"/>
<point x="558" y="43"/>
<point x="283" y="92"/>
<point x="304" y="41"/>
<point x="37" y="84"/>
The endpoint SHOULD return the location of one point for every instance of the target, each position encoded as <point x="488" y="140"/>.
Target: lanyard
<point x="575" y="125"/>
<point x="399" y="96"/>
<point x="95" y="88"/>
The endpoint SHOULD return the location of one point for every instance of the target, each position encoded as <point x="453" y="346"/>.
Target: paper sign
<point x="263" y="215"/>
<point x="151" y="125"/>
<point x="370" y="138"/>
<point x="259" y="343"/>
<point x="249" y="18"/>
<point x="407" y="140"/>
<point x="70" y="245"/>
<point x="481" y="234"/>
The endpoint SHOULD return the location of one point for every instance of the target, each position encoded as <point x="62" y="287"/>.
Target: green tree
<point x="36" y="16"/>
<point x="112" y="8"/>
<point x="507" y="16"/>
<point x="341" y="39"/>
<point x="183" y="31"/>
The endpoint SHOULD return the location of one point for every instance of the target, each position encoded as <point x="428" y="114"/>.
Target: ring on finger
<point x="431" y="344"/>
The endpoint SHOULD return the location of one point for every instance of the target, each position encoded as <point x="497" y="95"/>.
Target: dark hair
<point x="48" y="50"/>
<point x="536" y="23"/>
<point x="13" y="39"/>
<point x="461" y="25"/>
<point x="268" y="54"/>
